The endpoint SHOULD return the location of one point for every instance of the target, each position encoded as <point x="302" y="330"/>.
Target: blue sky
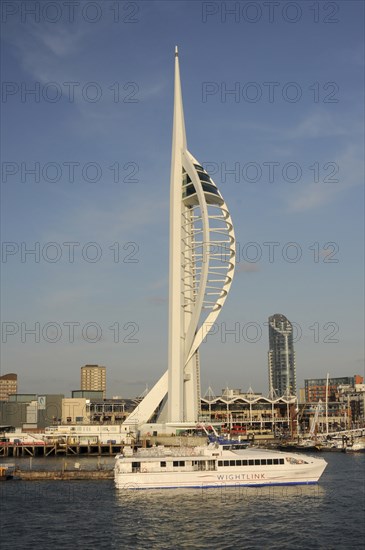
<point x="97" y="132"/>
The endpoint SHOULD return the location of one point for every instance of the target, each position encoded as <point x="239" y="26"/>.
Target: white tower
<point x="202" y="261"/>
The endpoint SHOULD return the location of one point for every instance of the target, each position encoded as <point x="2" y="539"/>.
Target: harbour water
<point x="93" y="514"/>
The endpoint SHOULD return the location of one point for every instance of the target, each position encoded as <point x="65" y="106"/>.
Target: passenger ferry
<point x="213" y="465"/>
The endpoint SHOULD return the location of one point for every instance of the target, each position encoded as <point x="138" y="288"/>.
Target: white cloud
<point x="318" y="124"/>
<point x="47" y="52"/>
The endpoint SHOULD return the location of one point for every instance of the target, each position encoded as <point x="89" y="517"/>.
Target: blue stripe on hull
<point x="222" y="486"/>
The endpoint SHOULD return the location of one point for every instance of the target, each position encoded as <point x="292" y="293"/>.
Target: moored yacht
<point x="213" y="465"/>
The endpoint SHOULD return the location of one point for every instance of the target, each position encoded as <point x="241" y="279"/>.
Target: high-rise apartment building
<point x="282" y="376"/>
<point x="8" y="385"/>
<point x="93" y="378"/>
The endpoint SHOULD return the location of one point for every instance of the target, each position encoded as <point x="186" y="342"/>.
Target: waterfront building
<point x="74" y="410"/>
<point x="86" y="407"/>
<point x="110" y="410"/>
<point x="249" y="412"/>
<point x="282" y="375"/>
<point x="8" y="385"/>
<point x="355" y="401"/>
<point x="338" y="403"/>
<point x="202" y="261"/>
<point x="315" y="388"/>
<point x="31" y="412"/>
<point x="93" y="378"/>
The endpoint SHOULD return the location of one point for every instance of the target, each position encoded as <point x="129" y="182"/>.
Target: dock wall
<point x="72" y="475"/>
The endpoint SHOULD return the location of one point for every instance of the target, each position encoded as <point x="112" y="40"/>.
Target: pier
<point x="70" y="447"/>
<point x="20" y="450"/>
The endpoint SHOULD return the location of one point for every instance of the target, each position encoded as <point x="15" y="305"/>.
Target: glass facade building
<point x="282" y="376"/>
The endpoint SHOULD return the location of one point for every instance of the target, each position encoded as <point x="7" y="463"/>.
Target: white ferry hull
<point x="287" y="474"/>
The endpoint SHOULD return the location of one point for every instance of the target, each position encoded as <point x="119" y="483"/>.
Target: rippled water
<point x="61" y="514"/>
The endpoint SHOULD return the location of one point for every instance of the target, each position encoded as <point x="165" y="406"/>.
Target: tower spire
<point x="178" y="133"/>
<point x="175" y="350"/>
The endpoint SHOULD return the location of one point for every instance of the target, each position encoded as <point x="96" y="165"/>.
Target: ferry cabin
<point x="198" y="465"/>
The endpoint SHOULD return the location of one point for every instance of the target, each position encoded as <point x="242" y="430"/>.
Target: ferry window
<point x="238" y="462"/>
<point x="182" y="463"/>
<point x="263" y="462"/>
<point x="251" y="462"/>
<point x="136" y="466"/>
<point x="175" y="463"/>
<point x="257" y="462"/>
<point x="220" y="462"/>
<point x="226" y="462"/>
<point x="226" y="447"/>
<point x="232" y="463"/>
<point x="269" y="462"/>
<point x="211" y="465"/>
<point x="276" y="461"/>
<point x="178" y="463"/>
<point x="281" y="461"/>
<point x="163" y="464"/>
<point x="244" y="462"/>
